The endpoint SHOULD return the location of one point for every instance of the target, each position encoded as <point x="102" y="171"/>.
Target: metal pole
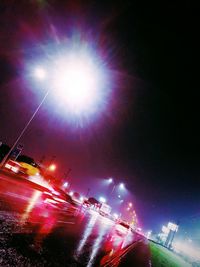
<point x="113" y="189"/>
<point x="23" y="131"/>
<point x="88" y="191"/>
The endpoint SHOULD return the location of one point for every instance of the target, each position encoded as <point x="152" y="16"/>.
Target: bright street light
<point x="66" y="184"/>
<point x="75" y="76"/>
<point x="81" y="198"/>
<point x="110" y="180"/>
<point x="102" y="199"/>
<point x="115" y="215"/>
<point x="121" y="186"/>
<point x="40" y="73"/>
<point x="52" y="167"/>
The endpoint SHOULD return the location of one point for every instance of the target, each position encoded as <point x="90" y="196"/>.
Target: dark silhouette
<point x="4" y="149"/>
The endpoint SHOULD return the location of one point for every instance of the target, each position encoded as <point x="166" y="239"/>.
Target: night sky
<point x="148" y="136"/>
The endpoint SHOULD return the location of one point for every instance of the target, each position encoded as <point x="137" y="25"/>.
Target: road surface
<point x="36" y="231"/>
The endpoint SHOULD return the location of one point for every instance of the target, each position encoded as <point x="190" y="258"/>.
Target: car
<point x="15" y="167"/>
<point x="86" y="203"/>
<point x="124" y="224"/>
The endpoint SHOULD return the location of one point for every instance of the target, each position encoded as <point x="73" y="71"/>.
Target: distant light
<point x="76" y="75"/>
<point x="78" y="81"/>
<point x="119" y="196"/>
<point x="173" y="226"/>
<point x="81" y="199"/>
<point x="148" y="234"/>
<point x="110" y="180"/>
<point x="130" y="204"/>
<point x="71" y="193"/>
<point x="115" y="215"/>
<point x="122" y="186"/>
<point x="102" y="199"/>
<point x="65" y="184"/>
<point x="165" y="229"/>
<point x="52" y="167"/>
<point x="40" y="73"/>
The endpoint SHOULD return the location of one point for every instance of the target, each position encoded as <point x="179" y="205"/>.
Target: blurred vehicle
<point x="76" y="197"/>
<point x="69" y="199"/>
<point x="29" y="164"/>
<point x="15" y="167"/>
<point x="124" y="224"/>
<point x="122" y="227"/>
<point x="86" y="203"/>
<point x="105" y="209"/>
<point x="29" y="169"/>
<point x="93" y="201"/>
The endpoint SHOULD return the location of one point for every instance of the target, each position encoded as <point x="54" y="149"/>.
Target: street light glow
<point x="81" y="198"/>
<point x="122" y="186"/>
<point x="65" y="185"/>
<point x="110" y="180"/>
<point x="77" y="78"/>
<point x="40" y="73"/>
<point x="52" y="167"/>
<point x="76" y="81"/>
<point x="102" y="199"/>
<point x="115" y="215"/>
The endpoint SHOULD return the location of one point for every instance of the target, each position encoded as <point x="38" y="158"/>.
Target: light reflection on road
<point x="33" y="200"/>
<point x="92" y="239"/>
<point x="86" y="233"/>
<point x="102" y="240"/>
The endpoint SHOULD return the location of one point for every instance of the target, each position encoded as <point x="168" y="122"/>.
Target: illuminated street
<point x="42" y="234"/>
<point x="99" y="133"/>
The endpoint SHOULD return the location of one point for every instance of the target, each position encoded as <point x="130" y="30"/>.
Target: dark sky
<point x="149" y="136"/>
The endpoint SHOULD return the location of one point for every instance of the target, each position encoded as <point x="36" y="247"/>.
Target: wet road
<point x="37" y="231"/>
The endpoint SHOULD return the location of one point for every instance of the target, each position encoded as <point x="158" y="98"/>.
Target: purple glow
<point x="76" y="77"/>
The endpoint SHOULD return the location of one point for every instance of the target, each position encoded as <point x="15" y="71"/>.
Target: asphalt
<point x="36" y="232"/>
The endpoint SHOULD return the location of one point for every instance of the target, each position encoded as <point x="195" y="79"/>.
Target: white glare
<point x="110" y="180"/>
<point x="76" y="82"/>
<point x="102" y="199"/>
<point x="121" y="186"/>
<point x="40" y="73"/>
<point x="65" y="184"/>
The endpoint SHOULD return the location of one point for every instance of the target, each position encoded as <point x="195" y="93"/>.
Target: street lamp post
<point x="121" y="186"/>
<point x="77" y="76"/>
<point x="23" y="131"/>
<point x="113" y="189"/>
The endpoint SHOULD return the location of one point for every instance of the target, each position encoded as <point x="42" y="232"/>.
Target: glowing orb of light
<point x="40" y="73"/>
<point x="102" y="199"/>
<point x="110" y="180"/>
<point x="77" y="82"/>
<point x="76" y="78"/>
<point x="52" y="167"/>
